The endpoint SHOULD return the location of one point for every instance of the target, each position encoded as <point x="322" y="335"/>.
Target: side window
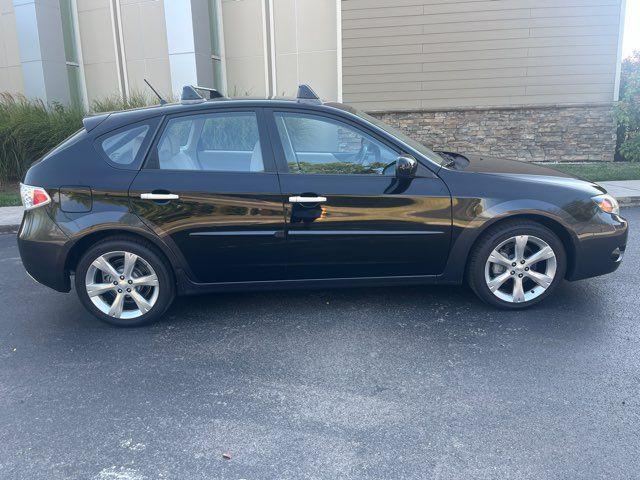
<point x="316" y="144"/>
<point x="220" y="142"/>
<point x="122" y="148"/>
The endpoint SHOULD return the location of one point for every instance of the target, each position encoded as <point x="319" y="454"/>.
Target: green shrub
<point x="30" y="128"/>
<point x="628" y="110"/>
<point x="116" y="102"/>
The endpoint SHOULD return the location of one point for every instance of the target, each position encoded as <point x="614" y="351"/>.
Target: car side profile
<point x="238" y="194"/>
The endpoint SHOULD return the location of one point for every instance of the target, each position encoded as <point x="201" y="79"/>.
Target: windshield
<point x="419" y="147"/>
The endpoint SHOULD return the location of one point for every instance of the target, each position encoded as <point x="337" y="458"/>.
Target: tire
<point x="509" y="236"/>
<point x="149" y="296"/>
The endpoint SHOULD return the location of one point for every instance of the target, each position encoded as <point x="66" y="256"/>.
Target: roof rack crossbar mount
<point x="189" y="95"/>
<point x="213" y="93"/>
<point x="307" y="95"/>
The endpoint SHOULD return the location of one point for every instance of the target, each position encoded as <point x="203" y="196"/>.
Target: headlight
<point x="607" y="204"/>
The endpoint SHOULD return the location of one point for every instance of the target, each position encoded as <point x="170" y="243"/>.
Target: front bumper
<point x="600" y="252"/>
<point x="42" y="248"/>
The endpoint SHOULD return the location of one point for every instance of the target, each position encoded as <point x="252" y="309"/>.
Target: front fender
<point x="472" y="217"/>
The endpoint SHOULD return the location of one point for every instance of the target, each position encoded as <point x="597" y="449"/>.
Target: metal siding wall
<point x="413" y="54"/>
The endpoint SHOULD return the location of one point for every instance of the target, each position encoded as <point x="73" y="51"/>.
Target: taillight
<point x="33" y="197"/>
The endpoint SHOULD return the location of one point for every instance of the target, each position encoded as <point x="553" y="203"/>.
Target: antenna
<point x="162" y="100"/>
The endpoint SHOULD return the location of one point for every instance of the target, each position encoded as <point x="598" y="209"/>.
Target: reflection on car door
<point x="209" y="188"/>
<point x="347" y="215"/>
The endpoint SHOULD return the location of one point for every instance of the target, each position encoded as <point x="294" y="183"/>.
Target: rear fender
<point x="93" y="227"/>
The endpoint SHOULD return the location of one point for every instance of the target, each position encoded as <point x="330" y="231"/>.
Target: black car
<point x="221" y="194"/>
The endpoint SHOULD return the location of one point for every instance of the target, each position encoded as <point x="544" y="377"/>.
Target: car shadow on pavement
<point x="572" y="308"/>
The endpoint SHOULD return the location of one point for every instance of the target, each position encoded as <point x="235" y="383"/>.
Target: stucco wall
<point x="10" y="69"/>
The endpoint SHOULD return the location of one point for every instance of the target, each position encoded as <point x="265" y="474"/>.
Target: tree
<point x="628" y="110"/>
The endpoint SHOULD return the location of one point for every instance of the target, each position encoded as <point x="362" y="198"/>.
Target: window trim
<point x="268" y="160"/>
<point x="153" y="124"/>
<point x="280" y="157"/>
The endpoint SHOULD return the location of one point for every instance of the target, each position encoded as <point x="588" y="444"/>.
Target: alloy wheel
<point x="520" y="269"/>
<point x="122" y="285"/>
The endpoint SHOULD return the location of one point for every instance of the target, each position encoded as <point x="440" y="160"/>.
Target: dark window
<point x="317" y="144"/>
<point x="122" y="148"/>
<point x="226" y="142"/>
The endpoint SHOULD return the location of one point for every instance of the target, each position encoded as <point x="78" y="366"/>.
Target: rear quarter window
<point x="126" y="147"/>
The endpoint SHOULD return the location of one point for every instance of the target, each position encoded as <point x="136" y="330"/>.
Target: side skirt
<point x="188" y="287"/>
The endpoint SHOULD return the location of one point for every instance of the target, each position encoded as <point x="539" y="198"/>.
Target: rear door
<point x="210" y="189"/>
<point x="347" y="214"/>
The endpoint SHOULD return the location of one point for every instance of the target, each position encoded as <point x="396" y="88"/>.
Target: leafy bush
<point x="30" y="128"/>
<point x="628" y="111"/>
<point x="116" y="102"/>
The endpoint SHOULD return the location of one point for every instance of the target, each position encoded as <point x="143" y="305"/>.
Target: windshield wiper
<point x="451" y="159"/>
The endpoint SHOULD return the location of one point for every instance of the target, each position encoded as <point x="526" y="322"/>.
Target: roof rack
<point x="307" y="95"/>
<point x="190" y="94"/>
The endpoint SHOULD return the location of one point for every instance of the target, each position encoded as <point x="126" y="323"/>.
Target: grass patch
<point x="10" y="196"/>
<point x="8" y="199"/>
<point x="601" y="172"/>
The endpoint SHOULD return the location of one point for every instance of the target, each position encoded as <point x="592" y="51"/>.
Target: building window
<point x="72" y="55"/>
<point x="215" y="21"/>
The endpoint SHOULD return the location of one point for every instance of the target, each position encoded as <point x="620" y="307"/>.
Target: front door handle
<point x="307" y="199"/>
<point x="159" y="196"/>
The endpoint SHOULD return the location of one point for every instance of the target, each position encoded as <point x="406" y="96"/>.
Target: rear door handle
<point x="159" y="196"/>
<point x="307" y="199"/>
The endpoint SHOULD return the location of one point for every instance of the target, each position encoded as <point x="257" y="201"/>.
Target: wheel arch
<point x="83" y="243"/>
<point x="563" y="233"/>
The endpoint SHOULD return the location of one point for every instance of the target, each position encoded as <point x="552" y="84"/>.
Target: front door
<point x="347" y="214"/>
<point x="209" y="188"/>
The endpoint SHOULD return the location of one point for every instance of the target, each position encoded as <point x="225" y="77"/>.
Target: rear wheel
<point x="516" y="265"/>
<point x="124" y="282"/>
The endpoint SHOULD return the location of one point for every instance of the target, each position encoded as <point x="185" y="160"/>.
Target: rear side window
<point x="125" y="147"/>
<point x="122" y="148"/>
<point x="217" y="142"/>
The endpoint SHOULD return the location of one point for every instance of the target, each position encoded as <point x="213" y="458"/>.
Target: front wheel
<point x="124" y="282"/>
<point x="516" y="265"/>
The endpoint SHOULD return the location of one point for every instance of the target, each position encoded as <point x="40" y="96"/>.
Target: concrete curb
<point x="628" y="202"/>
<point x="10" y="218"/>
<point x="4" y="229"/>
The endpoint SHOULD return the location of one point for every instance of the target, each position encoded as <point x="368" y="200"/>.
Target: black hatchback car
<point x="211" y="195"/>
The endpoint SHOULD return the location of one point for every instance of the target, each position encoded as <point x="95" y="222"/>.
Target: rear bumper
<point x="600" y="252"/>
<point x="42" y="248"/>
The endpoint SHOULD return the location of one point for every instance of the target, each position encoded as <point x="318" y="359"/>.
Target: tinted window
<point x="122" y="148"/>
<point x="226" y="142"/>
<point x="316" y="144"/>
<point x="431" y="155"/>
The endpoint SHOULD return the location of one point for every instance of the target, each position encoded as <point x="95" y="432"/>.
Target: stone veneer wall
<point x="549" y="133"/>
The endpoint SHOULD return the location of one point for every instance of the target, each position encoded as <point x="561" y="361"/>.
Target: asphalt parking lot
<point x="403" y="382"/>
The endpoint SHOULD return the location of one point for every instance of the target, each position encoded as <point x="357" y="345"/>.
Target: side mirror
<point x="406" y="166"/>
